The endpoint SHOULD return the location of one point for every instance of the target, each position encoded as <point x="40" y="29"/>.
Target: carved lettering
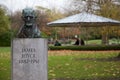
<point x="27" y="50"/>
<point x="29" y="61"/>
<point x="28" y="55"/>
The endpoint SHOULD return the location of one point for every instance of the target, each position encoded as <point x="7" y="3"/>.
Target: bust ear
<point x="23" y="12"/>
<point x="35" y="16"/>
<point x="22" y="17"/>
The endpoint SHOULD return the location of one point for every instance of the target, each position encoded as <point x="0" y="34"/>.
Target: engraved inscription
<point x="28" y="50"/>
<point x="28" y="56"/>
<point x="29" y="61"/>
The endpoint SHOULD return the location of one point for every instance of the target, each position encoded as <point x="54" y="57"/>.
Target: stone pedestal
<point x="29" y="59"/>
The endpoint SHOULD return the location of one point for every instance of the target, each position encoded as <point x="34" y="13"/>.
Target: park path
<point x="70" y="52"/>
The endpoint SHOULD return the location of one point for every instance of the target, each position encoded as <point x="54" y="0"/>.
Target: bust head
<point x="29" y="16"/>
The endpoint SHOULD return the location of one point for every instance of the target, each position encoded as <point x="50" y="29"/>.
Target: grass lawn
<point x="5" y="63"/>
<point x="99" y="41"/>
<point x="93" y="42"/>
<point x="84" y="65"/>
<point x="72" y="65"/>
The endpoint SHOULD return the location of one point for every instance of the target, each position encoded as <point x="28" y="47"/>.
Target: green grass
<point x="84" y="66"/>
<point x="93" y="42"/>
<point x="4" y="49"/>
<point x="99" y="41"/>
<point x="76" y="66"/>
<point x="5" y="63"/>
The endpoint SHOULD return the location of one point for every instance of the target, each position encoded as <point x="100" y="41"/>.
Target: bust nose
<point x="28" y="18"/>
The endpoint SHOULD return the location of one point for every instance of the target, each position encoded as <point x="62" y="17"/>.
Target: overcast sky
<point x="14" y="5"/>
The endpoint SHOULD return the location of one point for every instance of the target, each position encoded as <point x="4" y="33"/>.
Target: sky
<point x="14" y="5"/>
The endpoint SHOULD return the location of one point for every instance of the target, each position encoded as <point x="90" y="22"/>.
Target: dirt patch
<point x="70" y="52"/>
<point x="108" y="78"/>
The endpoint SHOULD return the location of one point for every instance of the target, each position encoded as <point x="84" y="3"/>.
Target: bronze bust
<point x="29" y="29"/>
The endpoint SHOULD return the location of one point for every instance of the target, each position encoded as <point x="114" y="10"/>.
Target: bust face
<point x="29" y="16"/>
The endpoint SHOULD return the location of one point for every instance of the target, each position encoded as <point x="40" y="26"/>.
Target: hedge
<point x="82" y="48"/>
<point x="5" y="39"/>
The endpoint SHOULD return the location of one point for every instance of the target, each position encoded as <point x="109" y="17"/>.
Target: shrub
<point x="97" y="47"/>
<point x="5" y="39"/>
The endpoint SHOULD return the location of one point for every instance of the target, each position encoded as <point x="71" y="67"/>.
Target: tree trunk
<point x="105" y="39"/>
<point x="105" y="35"/>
